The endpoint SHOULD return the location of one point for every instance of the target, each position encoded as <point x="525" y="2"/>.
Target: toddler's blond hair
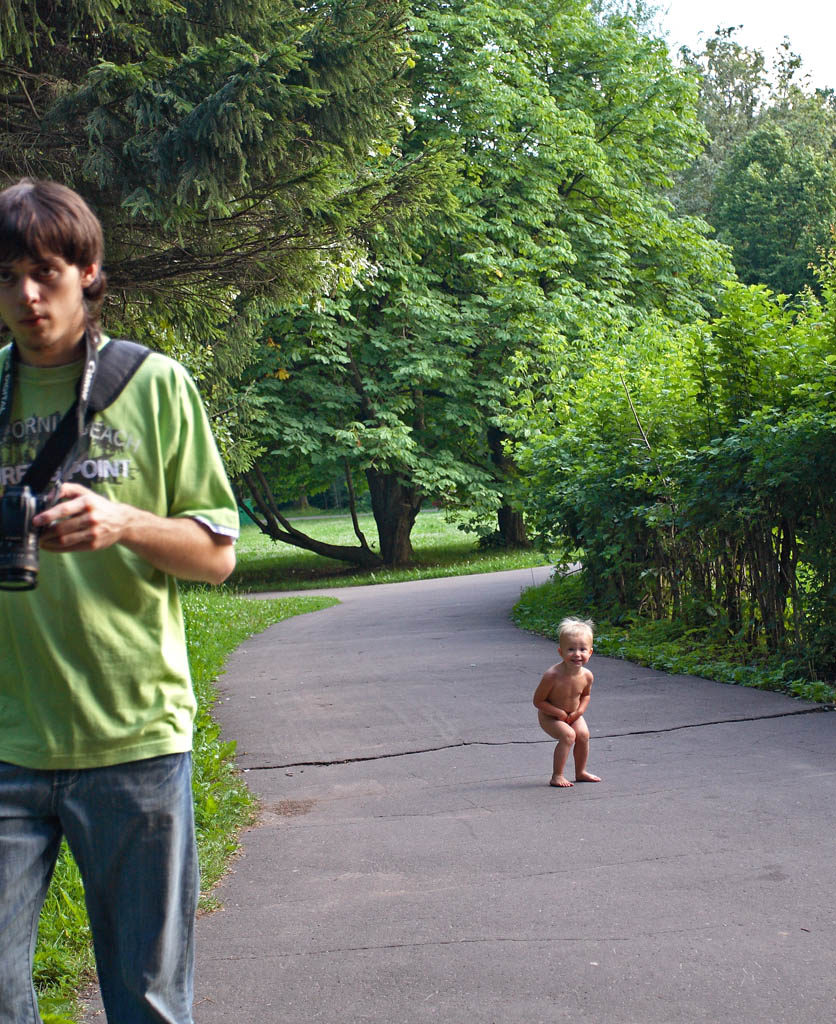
<point x="570" y="626"/>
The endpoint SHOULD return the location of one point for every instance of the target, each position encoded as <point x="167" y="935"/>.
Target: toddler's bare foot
<point x="561" y="781"/>
<point x="586" y="777"/>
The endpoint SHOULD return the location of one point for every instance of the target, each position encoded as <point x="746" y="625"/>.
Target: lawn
<point x="441" y="549"/>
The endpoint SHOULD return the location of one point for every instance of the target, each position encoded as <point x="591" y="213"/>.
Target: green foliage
<point x="775" y="204"/>
<point x="223" y="145"/>
<point x="237" y="154"/>
<point x="667" y="646"/>
<point x="767" y="177"/>
<point x="733" y="88"/>
<point x="691" y="467"/>
<point x="561" y="132"/>
<point x="217" y="622"/>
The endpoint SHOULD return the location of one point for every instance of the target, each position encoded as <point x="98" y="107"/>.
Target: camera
<point x="19" y="538"/>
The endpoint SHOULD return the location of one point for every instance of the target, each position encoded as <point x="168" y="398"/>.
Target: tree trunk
<point x="510" y="522"/>
<point x="302" y="503"/>
<point x="271" y="522"/>
<point x="512" y="527"/>
<point x="395" y="508"/>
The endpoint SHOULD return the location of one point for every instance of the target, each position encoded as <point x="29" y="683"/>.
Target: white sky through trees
<point x="810" y="25"/>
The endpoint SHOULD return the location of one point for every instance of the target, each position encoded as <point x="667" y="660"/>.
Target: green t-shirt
<point x="93" y="665"/>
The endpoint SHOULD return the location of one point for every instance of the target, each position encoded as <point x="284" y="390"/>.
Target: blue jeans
<point x="131" y="830"/>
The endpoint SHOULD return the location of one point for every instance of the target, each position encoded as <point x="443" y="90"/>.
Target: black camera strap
<point x="105" y="374"/>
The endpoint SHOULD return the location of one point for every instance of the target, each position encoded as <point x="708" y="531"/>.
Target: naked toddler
<point x="562" y="698"/>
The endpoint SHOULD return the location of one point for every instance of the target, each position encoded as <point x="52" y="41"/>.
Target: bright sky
<point x="810" y="25"/>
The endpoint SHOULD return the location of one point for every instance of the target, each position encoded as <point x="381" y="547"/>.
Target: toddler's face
<point x="576" y="648"/>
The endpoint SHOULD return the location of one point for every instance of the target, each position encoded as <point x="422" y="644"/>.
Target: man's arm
<point x="86" y="521"/>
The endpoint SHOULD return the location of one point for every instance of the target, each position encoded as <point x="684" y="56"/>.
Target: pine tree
<point x="225" y="145"/>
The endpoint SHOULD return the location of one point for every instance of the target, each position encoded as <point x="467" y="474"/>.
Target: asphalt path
<point x="411" y="863"/>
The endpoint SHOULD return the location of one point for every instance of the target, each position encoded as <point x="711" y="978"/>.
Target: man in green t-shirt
<point x="96" y="704"/>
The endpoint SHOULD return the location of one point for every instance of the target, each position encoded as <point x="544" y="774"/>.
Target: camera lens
<point x="20" y="576"/>
<point x="18" y="539"/>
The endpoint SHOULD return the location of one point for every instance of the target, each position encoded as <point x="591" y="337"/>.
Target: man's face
<point x="42" y="303"/>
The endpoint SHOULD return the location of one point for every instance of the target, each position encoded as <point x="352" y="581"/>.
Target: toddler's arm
<point x="583" y="703"/>
<point x="541" y="699"/>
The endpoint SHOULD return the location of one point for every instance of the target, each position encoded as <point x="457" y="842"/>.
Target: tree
<point x="223" y="145"/>
<point x="734" y="85"/>
<point x="342" y="397"/>
<point x="232" y="150"/>
<point x="765" y="180"/>
<point x="775" y="205"/>
<point x="564" y="130"/>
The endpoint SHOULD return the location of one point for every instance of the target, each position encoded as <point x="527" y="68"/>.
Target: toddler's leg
<point x="582" y="752"/>
<point x="561" y="756"/>
<point x="565" y="736"/>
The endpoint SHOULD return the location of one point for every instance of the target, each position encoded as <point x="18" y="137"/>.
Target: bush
<point x="693" y="469"/>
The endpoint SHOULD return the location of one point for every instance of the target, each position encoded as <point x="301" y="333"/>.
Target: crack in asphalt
<point x="561" y="940"/>
<point x="826" y="708"/>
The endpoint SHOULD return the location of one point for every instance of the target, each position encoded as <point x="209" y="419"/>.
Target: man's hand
<point x="82" y="520"/>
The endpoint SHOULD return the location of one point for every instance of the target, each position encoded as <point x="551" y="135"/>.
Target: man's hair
<point x="43" y="218"/>
<point x="571" y="626"/>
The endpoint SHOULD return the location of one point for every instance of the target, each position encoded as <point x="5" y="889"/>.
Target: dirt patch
<point x="291" y="808"/>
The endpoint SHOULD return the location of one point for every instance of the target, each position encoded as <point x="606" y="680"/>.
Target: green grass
<point x="668" y="646"/>
<point x="217" y="621"/>
<point x="441" y="549"/>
